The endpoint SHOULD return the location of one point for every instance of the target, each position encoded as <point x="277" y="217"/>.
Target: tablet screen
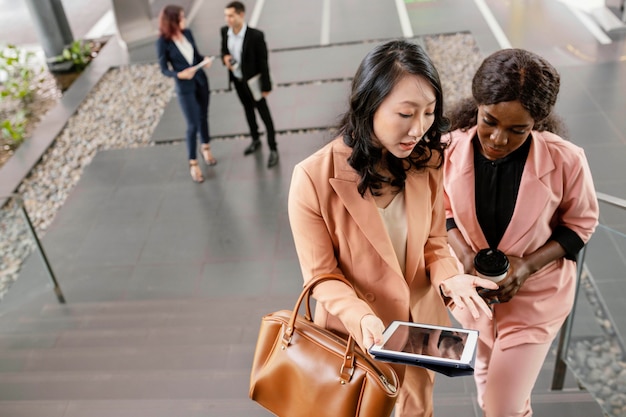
<point x="415" y="342"/>
<point x="440" y="343"/>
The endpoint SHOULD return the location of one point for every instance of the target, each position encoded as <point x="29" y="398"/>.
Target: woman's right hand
<point x="372" y="329"/>
<point x="462" y="289"/>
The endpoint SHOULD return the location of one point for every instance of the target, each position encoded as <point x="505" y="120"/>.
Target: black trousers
<point x="245" y="96"/>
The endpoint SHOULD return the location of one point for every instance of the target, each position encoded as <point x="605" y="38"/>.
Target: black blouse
<point x="497" y="184"/>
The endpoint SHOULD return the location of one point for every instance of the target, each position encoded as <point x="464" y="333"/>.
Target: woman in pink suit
<point x="511" y="183"/>
<point x="369" y="206"/>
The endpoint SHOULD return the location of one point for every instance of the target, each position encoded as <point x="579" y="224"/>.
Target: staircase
<point x="156" y="358"/>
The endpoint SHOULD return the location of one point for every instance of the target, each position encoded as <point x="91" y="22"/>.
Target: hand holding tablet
<point x="205" y="61"/>
<point x="447" y="350"/>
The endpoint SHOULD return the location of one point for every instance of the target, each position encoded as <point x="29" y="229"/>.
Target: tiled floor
<point x="136" y="229"/>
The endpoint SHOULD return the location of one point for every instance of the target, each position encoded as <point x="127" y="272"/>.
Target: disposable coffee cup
<point x="491" y="264"/>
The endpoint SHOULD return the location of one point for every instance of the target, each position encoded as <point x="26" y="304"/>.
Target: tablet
<point x="448" y="350"/>
<point x="205" y="61"/>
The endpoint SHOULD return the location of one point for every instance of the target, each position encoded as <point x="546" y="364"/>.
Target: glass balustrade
<point x="595" y="352"/>
<point x="592" y="344"/>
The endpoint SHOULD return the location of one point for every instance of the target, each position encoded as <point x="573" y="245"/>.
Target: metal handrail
<point x="20" y="202"/>
<point x="612" y="200"/>
<point x="560" y="368"/>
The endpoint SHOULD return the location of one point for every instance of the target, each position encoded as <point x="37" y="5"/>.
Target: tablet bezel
<point x="467" y="358"/>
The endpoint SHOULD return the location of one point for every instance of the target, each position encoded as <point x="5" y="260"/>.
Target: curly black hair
<point x="510" y="75"/>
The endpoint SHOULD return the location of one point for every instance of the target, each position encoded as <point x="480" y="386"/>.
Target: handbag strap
<point x="348" y="365"/>
<point x="313" y="283"/>
<point x="347" y="368"/>
<point x="306" y="295"/>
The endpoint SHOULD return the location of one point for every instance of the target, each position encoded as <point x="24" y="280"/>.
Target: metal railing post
<point x="33" y="233"/>
<point x="560" y="367"/>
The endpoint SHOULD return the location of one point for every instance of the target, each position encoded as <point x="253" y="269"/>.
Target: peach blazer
<point x="336" y="230"/>
<point x="556" y="189"/>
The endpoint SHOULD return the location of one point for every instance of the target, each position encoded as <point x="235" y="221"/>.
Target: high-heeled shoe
<point x="207" y="155"/>
<point x="195" y="171"/>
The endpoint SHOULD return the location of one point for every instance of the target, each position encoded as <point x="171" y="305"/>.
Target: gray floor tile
<point x="591" y="129"/>
<point x="603" y="161"/>
<point x="574" y="100"/>
<point x="176" y="243"/>
<point x="166" y="280"/>
<point x="107" y="246"/>
<point x="287" y="33"/>
<point x="33" y="408"/>
<point x="242" y="278"/>
<point x="94" y="284"/>
<point x="310" y="64"/>
<point x="376" y="20"/>
<point x="310" y="106"/>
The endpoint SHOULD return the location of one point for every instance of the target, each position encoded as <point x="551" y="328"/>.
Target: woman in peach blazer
<point x="384" y="165"/>
<point x="510" y="184"/>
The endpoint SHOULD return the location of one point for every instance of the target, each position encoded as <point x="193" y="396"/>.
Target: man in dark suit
<point x="245" y="54"/>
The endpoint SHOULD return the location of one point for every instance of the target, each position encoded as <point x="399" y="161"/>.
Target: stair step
<point x="28" y="341"/>
<point x="134" y="408"/>
<point x="139" y="336"/>
<point x="228" y="305"/>
<point x="137" y="320"/>
<point x="154" y="315"/>
<point x="124" y="385"/>
<point x="147" y="314"/>
<point x="111" y="359"/>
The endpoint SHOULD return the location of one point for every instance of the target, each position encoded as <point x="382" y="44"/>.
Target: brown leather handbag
<point x="301" y="369"/>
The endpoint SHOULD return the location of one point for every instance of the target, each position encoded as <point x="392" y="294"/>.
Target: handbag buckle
<point x="347" y="369"/>
<point x="287" y="335"/>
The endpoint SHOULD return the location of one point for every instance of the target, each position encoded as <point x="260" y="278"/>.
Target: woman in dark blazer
<point x="177" y="54"/>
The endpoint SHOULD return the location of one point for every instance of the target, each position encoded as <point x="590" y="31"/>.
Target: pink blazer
<point x="337" y="230"/>
<point x="556" y="189"/>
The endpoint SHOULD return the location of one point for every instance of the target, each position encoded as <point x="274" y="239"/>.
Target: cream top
<point x="394" y="219"/>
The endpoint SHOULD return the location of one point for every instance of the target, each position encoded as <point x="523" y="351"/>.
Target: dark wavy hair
<point x="510" y="75"/>
<point x="169" y="21"/>
<point x="379" y="72"/>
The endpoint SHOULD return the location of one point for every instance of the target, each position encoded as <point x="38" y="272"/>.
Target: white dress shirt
<point x="235" y="45"/>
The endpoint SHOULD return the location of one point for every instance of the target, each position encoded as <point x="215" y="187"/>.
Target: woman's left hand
<point x="518" y="274"/>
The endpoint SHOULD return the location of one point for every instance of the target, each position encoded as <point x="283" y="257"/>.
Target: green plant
<point x="14" y="129"/>
<point x="17" y="73"/>
<point x="79" y="53"/>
